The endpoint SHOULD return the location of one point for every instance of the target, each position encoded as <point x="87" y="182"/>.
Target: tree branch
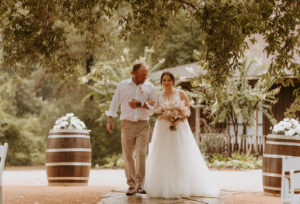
<point x="189" y="4"/>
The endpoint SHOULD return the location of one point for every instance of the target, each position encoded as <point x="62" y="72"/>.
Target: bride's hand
<point x="176" y="122"/>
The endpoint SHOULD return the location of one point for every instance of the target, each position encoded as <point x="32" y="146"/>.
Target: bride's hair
<point x="169" y="74"/>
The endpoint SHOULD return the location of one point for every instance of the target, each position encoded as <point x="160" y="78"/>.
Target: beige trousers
<point x="134" y="138"/>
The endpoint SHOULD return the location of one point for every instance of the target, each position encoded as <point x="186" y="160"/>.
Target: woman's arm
<point x="185" y="98"/>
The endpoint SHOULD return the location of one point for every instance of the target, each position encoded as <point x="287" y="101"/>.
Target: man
<point x="137" y="97"/>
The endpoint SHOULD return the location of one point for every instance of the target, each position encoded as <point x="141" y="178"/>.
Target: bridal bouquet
<point x="173" y="111"/>
<point x="287" y="127"/>
<point x="69" y="121"/>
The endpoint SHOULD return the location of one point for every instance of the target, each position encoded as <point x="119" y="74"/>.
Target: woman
<point x="175" y="167"/>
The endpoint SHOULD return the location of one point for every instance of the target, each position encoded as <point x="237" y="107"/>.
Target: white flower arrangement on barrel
<point x="287" y="127"/>
<point x="69" y="121"/>
<point x="284" y="141"/>
<point x="68" y="154"/>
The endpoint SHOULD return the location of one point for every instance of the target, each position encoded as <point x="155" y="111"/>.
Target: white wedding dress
<point x="175" y="167"/>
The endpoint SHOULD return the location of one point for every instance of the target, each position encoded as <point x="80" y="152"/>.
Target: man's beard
<point x="138" y="81"/>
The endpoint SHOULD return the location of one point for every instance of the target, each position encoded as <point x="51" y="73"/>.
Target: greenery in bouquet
<point x="69" y="121"/>
<point x="287" y="127"/>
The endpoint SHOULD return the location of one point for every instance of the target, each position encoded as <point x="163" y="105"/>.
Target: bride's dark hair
<point x="169" y="74"/>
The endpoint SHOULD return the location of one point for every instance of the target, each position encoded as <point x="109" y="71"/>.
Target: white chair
<point x="288" y="186"/>
<point x="3" y="151"/>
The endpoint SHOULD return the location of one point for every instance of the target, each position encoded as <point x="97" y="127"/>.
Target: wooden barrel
<point x="277" y="146"/>
<point x="68" y="157"/>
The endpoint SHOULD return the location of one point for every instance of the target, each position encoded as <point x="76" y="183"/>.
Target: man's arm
<point x="113" y="108"/>
<point x="152" y="102"/>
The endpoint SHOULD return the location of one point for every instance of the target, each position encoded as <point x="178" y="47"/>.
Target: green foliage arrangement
<point x="236" y="161"/>
<point x="113" y="161"/>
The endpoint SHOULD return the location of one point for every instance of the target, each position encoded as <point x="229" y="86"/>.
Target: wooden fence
<point x="226" y="143"/>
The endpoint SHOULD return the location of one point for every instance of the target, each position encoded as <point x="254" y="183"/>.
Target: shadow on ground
<point x="121" y="198"/>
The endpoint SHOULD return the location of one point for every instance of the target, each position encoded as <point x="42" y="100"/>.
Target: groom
<point x="136" y="96"/>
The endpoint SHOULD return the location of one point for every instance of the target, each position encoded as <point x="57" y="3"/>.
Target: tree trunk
<point x="244" y="136"/>
<point x="89" y="63"/>
<point x="236" y="131"/>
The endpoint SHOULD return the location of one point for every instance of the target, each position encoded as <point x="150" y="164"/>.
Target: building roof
<point x="187" y="72"/>
<point x="184" y="72"/>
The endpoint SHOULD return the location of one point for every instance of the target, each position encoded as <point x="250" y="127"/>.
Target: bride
<point x="175" y="167"/>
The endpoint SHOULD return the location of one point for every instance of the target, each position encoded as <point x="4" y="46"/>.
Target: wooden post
<point x="256" y="129"/>
<point x="197" y="123"/>
<point x="229" y="150"/>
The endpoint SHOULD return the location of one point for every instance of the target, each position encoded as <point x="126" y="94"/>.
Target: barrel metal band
<point x="67" y="184"/>
<point x="72" y="131"/>
<point x="68" y="178"/>
<point x="276" y="156"/>
<point x="283" y="143"/>
<point x="274" y="175"/>
<point x="69" y="136"/>
<point x="69" y="150"/>
<point x="272" y="188"/>
<point x="271" y="174"/>
<point x="68" y="164"/>
<point x="284" y="137"/>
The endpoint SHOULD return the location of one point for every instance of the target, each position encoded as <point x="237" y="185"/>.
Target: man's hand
<point x="151" y="102"/>
<point x="110" y="126"/>
<point x="134" y="103"/>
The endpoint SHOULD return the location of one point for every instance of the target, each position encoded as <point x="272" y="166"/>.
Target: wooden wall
<point x="286" y="97"/>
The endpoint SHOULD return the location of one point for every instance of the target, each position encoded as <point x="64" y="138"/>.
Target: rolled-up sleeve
<point x="115" y="103"/>
<point x="153" y="96"/>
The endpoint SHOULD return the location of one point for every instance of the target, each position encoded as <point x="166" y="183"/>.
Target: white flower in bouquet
<point x="69" y="121"/>
<point x="287" y="127"/>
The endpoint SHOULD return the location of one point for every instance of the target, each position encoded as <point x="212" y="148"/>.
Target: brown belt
<point x="130" y="121"/>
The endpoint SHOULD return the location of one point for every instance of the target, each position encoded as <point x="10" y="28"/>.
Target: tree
<point x="21" y="113"/>
<point x="36" y="32"/>
<point x="182" y="37"/>
<point x="237" y="98"/>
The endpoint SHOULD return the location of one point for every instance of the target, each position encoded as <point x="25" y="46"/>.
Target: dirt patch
<point x="53" y="194"/>
<point x="251" y="198"/>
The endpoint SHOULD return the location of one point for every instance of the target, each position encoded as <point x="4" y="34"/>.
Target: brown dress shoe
<point x="140" y="190"/>
<point x="130" y="191"/>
